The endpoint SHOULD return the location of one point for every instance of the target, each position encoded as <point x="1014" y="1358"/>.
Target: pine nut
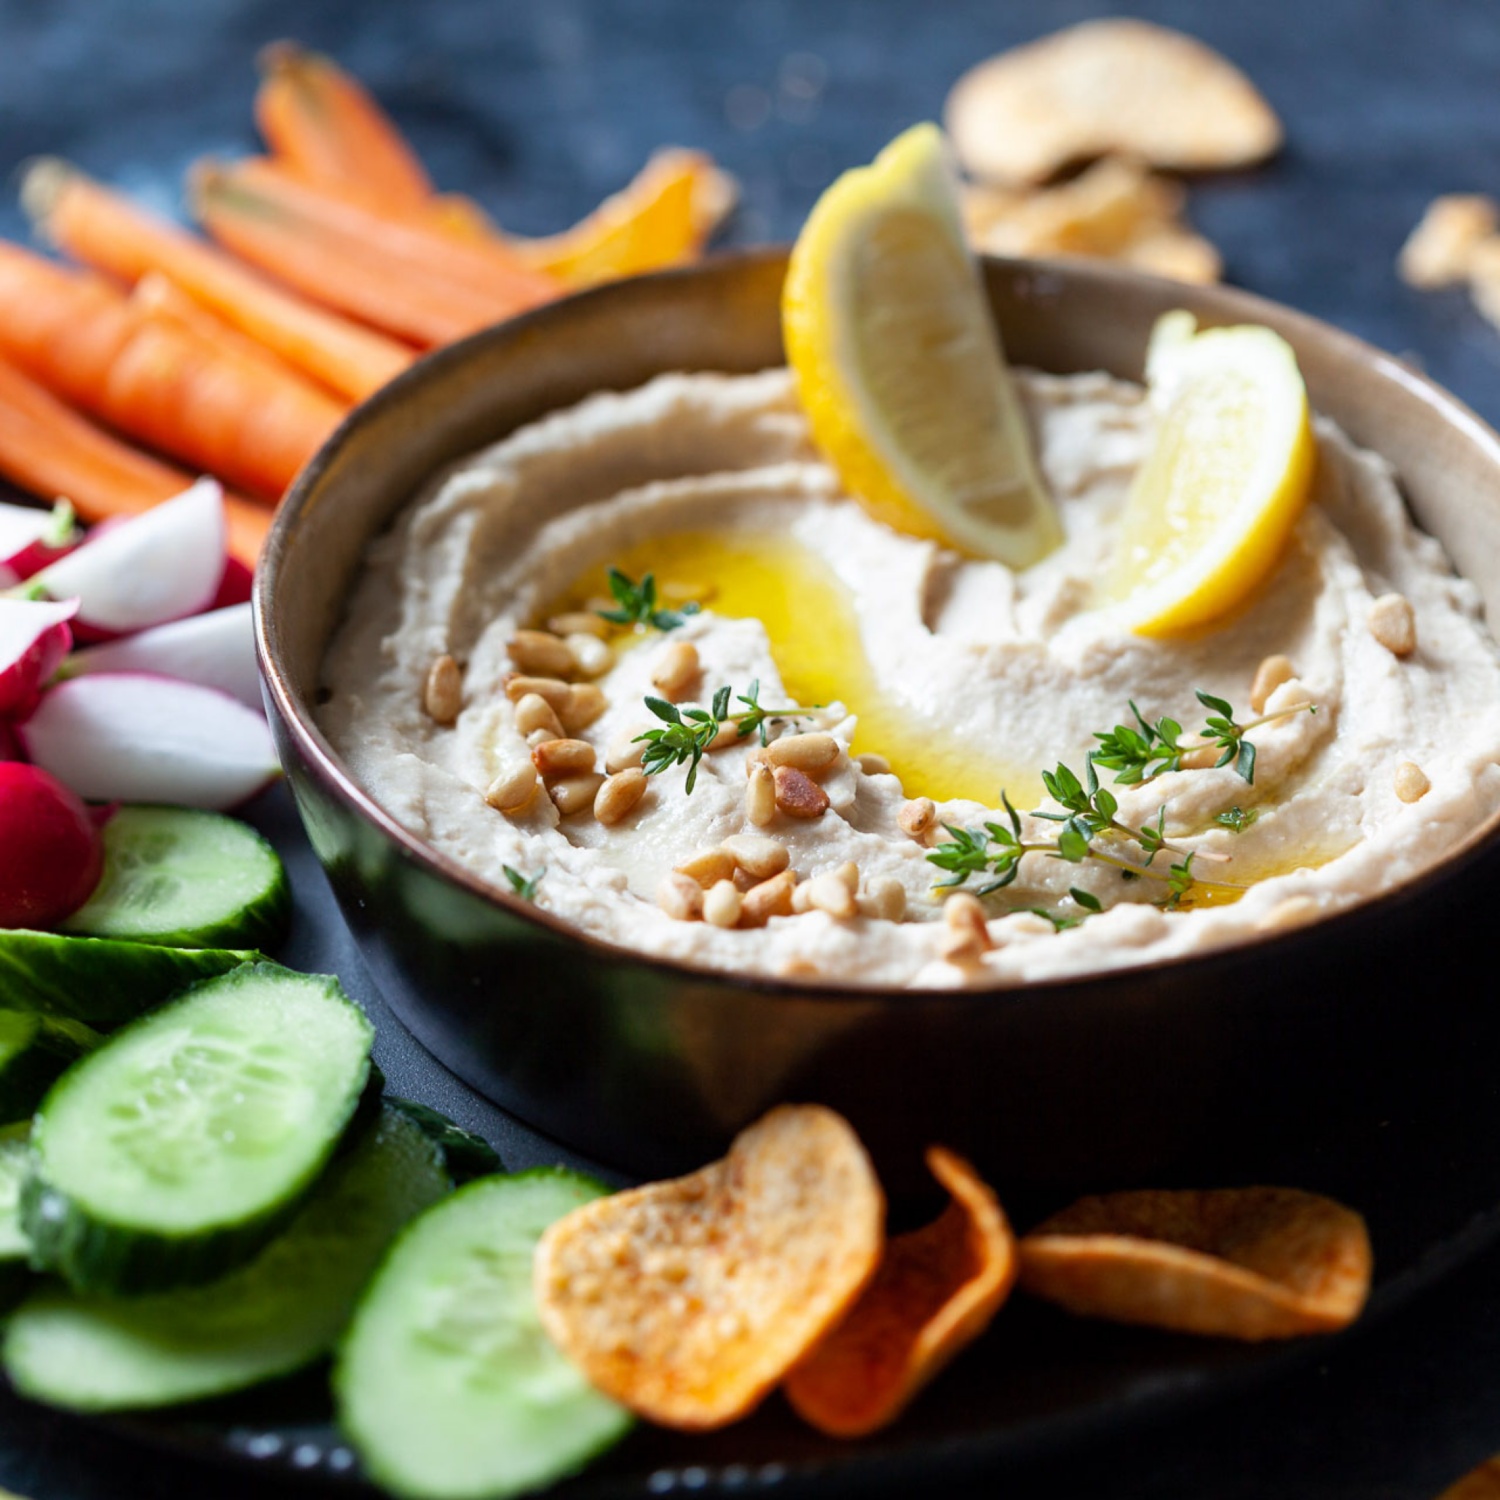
<point x="578" y="622"/>
<point x="729" y="734"/>
<point x="1269" y="676"/>
<point x="830" y="894"/>
<point x="848" y="872"/>
<point x="582" y="706"/>
<point x="771" y="898"/>
<point x="572" y="794"/>
<point x="513" y="791"/>
<point x="874" y="765"/>
<point x="884" y="899"/>
<point x="517" y="685"/>
<point x="620" y="795"/>
<point x="966" y="923"/>
<point x="680" y="897"/>
<point x="1411" y="782"/>
<point x="625" y="750"/>
<point x="1393" y="623"/>
<point x="811" y="754"/>
<point x="760" y="796"/>
<point x="540" y="652"/>
<point x="745" y="881"/>
<point x="534" y="712"/>
<point x="687" y="592"/>
<point x="539" y="737"/>
<point x="443" y="691"/>
<point x="801" y="898"/>
<point x="756" y="854"/>
<point x="797" y="794"/>
<point x="798" y="967"/>
<point x="564" y="757"/>
<point x="676" y="668"/>
<point x="708" y="867"/>
<point x="722" y="903"/>
<point x="594" y="658"/>
<point x="917" y="816"/>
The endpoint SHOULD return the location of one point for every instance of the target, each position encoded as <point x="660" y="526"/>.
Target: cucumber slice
<point x="15" y="1163"/>
<point x="468" y="1155"/>
<point x="186" y="879"/>
<point x="97" y="981"/>
<point x="446" y="1383"/>
<point x="276" y="1314"/>
<point x="180" y="1147"/>
<point x="33" y="1051"/>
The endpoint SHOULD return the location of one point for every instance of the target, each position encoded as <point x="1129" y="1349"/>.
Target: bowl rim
<point x="318" y="753"/>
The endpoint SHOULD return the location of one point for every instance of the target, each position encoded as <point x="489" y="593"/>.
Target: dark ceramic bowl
<point x="1203" y="1067"/>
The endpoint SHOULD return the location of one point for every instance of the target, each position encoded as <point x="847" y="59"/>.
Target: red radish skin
<point x="34" y="638"/>
<point x="51" y="855"/>
<point x="33" y="539"/>
<point x="235" y="586"/>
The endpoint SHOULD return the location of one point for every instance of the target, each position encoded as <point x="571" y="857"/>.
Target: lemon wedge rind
<point x="1213" y="505"/>
<point x="899" y="366"/>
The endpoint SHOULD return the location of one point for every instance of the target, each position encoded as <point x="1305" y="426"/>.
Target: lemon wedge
<point x="898" y="364"/>
<point x="1228" y="474"/>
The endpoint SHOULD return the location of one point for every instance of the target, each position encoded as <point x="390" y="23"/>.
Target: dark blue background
<point x="539" y="109"/>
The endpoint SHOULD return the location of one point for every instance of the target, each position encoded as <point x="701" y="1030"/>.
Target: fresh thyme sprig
<point x="1139" y="754"/>
<point x="690" y="731"/>
<point x="1088" y="812"/>
<point x="637" y="603"/>
<point x="523" y="887"/>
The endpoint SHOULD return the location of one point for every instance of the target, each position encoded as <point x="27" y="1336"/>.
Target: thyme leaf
<point x="690" y="731"/>
<point x="637" y="603"/>
<point x="523" y="887"/>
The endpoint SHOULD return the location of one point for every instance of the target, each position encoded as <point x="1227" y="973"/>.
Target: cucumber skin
<point x="261" y="924"/>
<point x="93" y="1254"/>
<point x="34" y="1066"/>
<point x="99" y="981"/>
<point x="386" y="1475"/>
<point x="197" y="1379"/>
<point x="468" y="1156"/>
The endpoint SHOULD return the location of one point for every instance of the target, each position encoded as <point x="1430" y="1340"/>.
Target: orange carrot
<point x="327" y="129"/>
<point x="48" y="449"/>
<point x="160" y="297"/>
<point x="407" y="278"/>
<point x="171" y="388"/>
<point x="106" y="231"/>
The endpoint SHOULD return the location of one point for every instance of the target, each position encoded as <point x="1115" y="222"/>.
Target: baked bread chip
<point x="1108" y="85"/>
<point x="936" y="1291"/>
<point x="689" y="1300"/>
<point x="1116" y="209"/>
<point x="1440" y="250"/>
<point x="1247" y="1263"/>
<point x="1482" y="1483"/>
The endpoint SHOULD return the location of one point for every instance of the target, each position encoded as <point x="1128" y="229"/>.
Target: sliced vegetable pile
<point x="336" y="263"/>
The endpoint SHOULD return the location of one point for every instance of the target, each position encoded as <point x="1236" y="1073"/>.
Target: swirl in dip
<point x="964" y="677"/>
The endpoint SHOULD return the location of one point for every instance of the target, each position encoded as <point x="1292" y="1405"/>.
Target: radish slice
<point x="32" y="539"/>
<point x="137" y="737"/>
<point x="34" y="638"/>
<point x="160" y="565"/>
<point x="216" y="650"/>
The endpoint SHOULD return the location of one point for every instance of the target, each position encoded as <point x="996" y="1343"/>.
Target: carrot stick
<point x="166" y="386"/>
<point x="48" y="449"/>
<point x="328" y="129"/>
<point x="160" y="297"/>
<point x="330" y="248"/>
<point x="106" y="231"/>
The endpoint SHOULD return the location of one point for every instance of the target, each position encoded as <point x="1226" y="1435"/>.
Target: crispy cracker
<point x="1482" y="1483"/>
<point x="689" y="1300"/>
<point x="1248" y="1263"/>
<point x="936" y="1291"/>
<point x="1107" y="85"/>
<point x="1440" y="250"/>
<point x="1117" y="209"/>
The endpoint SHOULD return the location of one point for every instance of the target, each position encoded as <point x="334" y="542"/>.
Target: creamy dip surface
<point x="968" y="677"/>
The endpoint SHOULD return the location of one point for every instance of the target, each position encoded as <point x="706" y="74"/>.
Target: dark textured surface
<point x="540" y="108"/>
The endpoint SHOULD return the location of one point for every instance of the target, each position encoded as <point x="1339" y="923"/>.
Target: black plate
<point x="1427" y="1179"/>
